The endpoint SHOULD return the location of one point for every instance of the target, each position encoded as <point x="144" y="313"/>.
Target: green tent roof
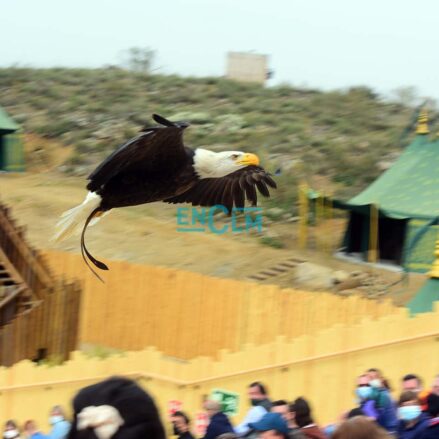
<point x="6" y="123"/>
<point x="425" y="298"/>
<point x="410" y="188"/>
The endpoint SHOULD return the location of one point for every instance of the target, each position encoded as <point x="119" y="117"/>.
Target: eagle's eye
<point x="234" y="156"/>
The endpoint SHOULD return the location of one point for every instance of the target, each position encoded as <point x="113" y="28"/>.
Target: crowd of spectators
<point x="118" y="408"/>
<point x="59" y="427"/>
<point x="376" y="414"/>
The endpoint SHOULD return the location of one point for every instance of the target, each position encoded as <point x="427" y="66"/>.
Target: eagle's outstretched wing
<point x="229" y="191"/>
<point x="152" y="147"/>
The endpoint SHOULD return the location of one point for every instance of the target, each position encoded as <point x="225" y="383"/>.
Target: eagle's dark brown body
<point x="156" y="166"/>
<point x="148" y="185"/>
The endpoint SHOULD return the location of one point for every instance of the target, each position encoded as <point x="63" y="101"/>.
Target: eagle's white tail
<point x="72" y="220"/>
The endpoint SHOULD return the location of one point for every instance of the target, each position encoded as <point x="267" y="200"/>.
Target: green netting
<point x="425" y="298"/>
<point x="11" y="153"/>
<point x="421" y="255"/>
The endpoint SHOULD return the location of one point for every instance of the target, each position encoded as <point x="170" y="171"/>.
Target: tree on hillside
<point x="139" y="59"/>
<point x="407" y="96"/>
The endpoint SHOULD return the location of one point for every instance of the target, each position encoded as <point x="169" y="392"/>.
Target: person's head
<point x="363" y="380"/>
<point x="212" y="407"/>
<point x="11" y="430"/>
<point x="435" y="385"/>
<point x="56" y="414"/>
<point x="302" y="412"/>
<point x="377" y="379"/>
<point x="364" y="389"/>
<point x="359" y="427"/>
<point x="409" y="406"/>
<point x="281" y="406"/>
<point x="374" y="373"/>
<point x="411" y="382"/>
<point x="181" y="422"/>
<point x="271" y="426"/>
<point x="257" y="392"/>
<point x="30" y="427"/>
<point x="116" y="408"/>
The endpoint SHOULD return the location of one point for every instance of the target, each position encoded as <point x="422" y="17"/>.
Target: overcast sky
<point x="325" y="44"/>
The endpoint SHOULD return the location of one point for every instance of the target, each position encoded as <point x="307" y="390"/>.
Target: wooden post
<point x="303" y="215"/>
<point x="373" y="234"/>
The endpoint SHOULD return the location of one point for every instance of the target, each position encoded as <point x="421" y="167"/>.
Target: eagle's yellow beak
<point x="249" y="159"/>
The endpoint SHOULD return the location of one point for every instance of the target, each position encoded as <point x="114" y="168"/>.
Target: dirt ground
<point x="148" y="234"/>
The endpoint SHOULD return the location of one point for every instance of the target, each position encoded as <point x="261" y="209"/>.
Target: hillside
<point x="338" y="141"/>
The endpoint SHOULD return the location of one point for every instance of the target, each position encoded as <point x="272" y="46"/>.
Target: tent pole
<point x="303" y="215"/>
<point x="320" y="218"/>
<point x="373" y="234"/>
<point x="331" y="225"/>
<point x="325" y="236"/>
<point x="323" y="229"/>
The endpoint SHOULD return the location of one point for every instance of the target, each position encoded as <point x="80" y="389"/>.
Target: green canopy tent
<point x="407" y="199"/>
<point x="11" y="147"/>
<point x="428" y="294"/>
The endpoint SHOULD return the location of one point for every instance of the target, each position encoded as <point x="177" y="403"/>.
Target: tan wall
<point x="322" y="367"/>
<point x="187" y="314"/>
<point x="247" y="67"/>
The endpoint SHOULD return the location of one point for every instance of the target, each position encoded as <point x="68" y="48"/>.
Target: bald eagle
<point x="156" y="166"/>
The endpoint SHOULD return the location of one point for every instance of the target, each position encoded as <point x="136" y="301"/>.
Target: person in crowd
<point x="115" y="408"/>
<point x="412" y="420"/>
<point x="377" y="380"/>
<point x="60" y="426"/>
<point x="435" y="385"/>
<point x="261" y="404"/>
<point x="11" y="430"/>
<point x="359" y="427"/>
<point x="271" y="426"/>
<point x="305" y="421"/>
<point x="412" y="382"/>
<point x="283" y="408"/>
<point x="31" y="430"/>
<point x="376" y="403"/>
<point x="364" y="392"/>
<point x="219" y="423"/>
<point x="181" y="423"/>
<point x="432" y="429"/>
<point x="280" y="406"/>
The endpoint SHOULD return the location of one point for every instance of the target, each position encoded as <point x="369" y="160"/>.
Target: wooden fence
<point x="26" y="261"/>
<point x="187" y="314"/>
<point x="48" y="329"/>
<point x="39" y="313"/>
<point x="321" y="367"/>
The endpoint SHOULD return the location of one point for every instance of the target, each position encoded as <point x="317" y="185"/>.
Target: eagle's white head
<point x="209" y="164"/>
